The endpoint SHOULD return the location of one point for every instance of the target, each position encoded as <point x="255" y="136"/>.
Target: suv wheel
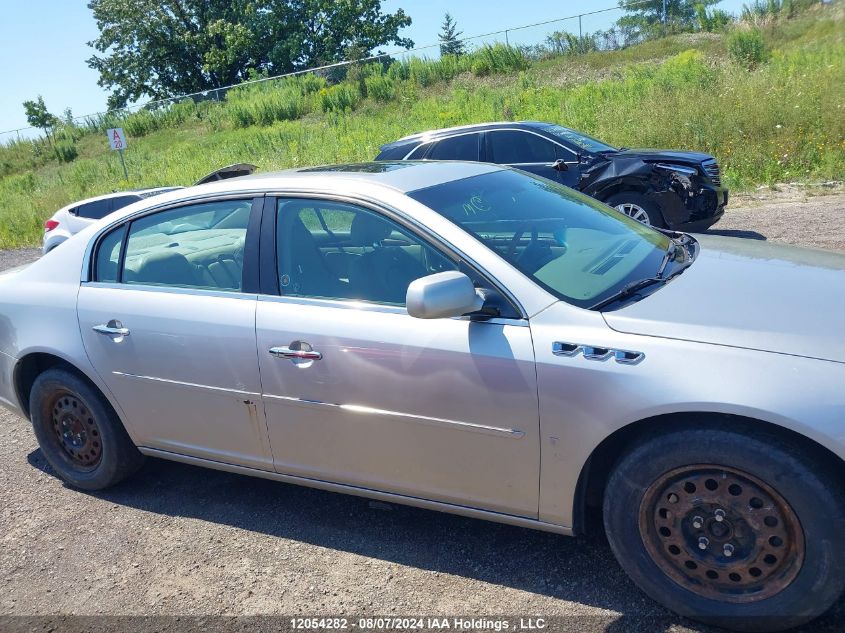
<point x="638" y="207"/>
<point x="79" y="433"/>
<point x="741" y="531"/>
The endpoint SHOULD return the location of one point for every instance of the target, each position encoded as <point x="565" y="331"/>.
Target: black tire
<point x="63" y="406"/>
<point x="800" y="591"/>
<point x="655" y="217"/>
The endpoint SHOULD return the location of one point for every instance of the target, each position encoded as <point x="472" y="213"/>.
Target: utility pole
<point x="665" y="16"/>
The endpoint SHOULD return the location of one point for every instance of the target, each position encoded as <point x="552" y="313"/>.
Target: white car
<point x="70" y="220"/>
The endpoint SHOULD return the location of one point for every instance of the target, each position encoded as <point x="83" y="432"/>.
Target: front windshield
<point x="574" y="246"/>
<point x="580" y="140"/>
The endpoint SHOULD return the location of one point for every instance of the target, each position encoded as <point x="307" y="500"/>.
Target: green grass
<point x="783" y="120"/>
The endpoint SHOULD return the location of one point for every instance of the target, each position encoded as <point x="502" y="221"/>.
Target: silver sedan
<point x="466" y="338"/>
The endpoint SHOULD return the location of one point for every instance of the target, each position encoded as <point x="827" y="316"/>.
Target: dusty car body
<point x="237" y="325"/>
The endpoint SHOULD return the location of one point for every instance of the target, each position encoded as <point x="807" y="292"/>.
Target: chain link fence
<point x="573" y="34"/>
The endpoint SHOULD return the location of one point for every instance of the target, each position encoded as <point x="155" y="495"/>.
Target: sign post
<point x="117" y="140"/>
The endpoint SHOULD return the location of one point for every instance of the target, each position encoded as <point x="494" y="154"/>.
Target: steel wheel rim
<point x="634" y="211"/>
<point x="754" y="551"/>
<point x="75" y="430"/>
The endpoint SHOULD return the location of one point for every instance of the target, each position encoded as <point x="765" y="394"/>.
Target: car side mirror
<point x="559" y="165"/>
<point x="442" y="295"/>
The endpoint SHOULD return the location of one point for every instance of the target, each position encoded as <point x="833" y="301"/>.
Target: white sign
<point x="117" y="139"/>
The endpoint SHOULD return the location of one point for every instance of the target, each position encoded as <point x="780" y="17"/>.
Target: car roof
<point x="448" y="131"/>
<point x="403" y="176"/>
<point x="348" y="179"/>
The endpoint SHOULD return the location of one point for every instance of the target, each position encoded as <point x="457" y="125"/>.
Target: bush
<point x="65" y="150"/>
<point x="263" y="104"/>
<point x="747" y="47"/>
<point x="480" y="67"/>
<point x="380" y="87"/>
<point x="339" y="98"/>
<point x="421" y="72"/>
<point x="309" y="83"/>
<point x="499" y="58"/>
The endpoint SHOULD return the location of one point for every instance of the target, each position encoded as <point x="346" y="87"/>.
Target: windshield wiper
<point x="635" y="286"/>
<point x="627" y="291"/>
<point x="667" y="257"/>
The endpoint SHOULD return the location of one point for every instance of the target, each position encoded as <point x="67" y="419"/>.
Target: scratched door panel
<point x="442" y="409"/>
<point x="187" y="375"/>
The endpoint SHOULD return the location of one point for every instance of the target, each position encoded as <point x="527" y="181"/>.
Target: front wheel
<point x="741" y="531"/>
<point x="637" y="207"/>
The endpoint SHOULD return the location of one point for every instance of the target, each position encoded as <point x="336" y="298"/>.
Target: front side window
<point x="579" y="140"/>
<point x="510" y="147"/>
<point x="419" y="152"/>
<point x="332" y="250"/>
<point x="574" y="246"/>
<point x="196" y="246"/>
<point x="464" y="147"/>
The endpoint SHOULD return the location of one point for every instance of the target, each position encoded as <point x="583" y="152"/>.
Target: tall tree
<point x="163" y="48"/>
<point x="38" y="116"/>
<point x="647" y="17"/>
<point x="450" y="43"/>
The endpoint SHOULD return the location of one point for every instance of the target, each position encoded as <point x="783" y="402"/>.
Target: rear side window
<point x="509" y="147"/>
<point x="123" y="201"/>
<point x="95" y="210"/>
<point x="196" y="246"/>
<point x="463" y="147"/>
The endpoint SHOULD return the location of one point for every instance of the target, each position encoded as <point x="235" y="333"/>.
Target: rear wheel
<point x="637" y="207"/>
<point x="736" y="530"/>
<point x="79" y="433"/>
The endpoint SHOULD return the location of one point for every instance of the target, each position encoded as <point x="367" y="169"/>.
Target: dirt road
<point x="182" y="540"/>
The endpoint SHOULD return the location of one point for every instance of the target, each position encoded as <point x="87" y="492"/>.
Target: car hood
<point x="749" y="294"/>
<point x="667" y="155"/>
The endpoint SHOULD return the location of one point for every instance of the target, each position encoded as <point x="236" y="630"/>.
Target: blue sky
<point x="43" y="42"/>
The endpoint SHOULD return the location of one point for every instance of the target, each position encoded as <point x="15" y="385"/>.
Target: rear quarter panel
<point x="38" y="314"/>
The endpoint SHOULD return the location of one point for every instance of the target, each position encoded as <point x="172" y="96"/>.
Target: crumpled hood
<point x="668" y="155"/>
<point x="749" y="294"/>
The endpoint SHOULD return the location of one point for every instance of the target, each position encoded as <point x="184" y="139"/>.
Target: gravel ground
<point x="179" y="540"/>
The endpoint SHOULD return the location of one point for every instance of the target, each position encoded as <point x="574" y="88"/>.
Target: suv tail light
<point x="49" y="225"/>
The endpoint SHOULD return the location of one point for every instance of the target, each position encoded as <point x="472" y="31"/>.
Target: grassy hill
<point x="782" y="119"/>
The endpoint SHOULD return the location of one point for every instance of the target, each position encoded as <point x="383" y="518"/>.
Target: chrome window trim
<point x="415" y="227"/>
<point x="367" y="306"/>
<point x="183" y="290"/>
<point x="502" y="129"/>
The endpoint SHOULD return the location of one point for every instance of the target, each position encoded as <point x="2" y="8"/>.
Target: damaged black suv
<point x="669" y="189"/>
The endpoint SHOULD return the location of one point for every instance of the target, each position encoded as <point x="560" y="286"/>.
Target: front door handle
<point x="112" y="328"/>
<point x="296" y="354"/>
<point x="297" y="351"/>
